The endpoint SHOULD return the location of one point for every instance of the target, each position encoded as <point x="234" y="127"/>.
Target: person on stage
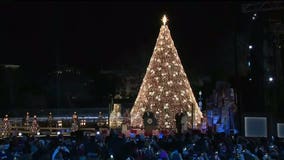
<point x="126" y="121"/>
<point x="101" y="121"/>
<point x="149" y="121"/>
<point x="74" y="126"/>
<point x="126" y="117"/>
<point x="75" y="117"/>
<point x="204" y="125"/>
<point x="178" y="118"/>
<point x="184" y="123"/>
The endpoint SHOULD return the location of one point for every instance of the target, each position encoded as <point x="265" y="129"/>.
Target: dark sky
<point x="113" y="34"/>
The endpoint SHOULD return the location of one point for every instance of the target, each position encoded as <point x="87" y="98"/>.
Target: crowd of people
<point x="116" y="145"/>
<point x="183" y="145"/>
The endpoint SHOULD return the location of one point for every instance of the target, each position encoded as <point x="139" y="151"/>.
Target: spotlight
<point x="98" y="132"/>
<point x="270" y="79"/>
<point x="58" y="133"/>
<point x="20" y="134"/>
<point x="38" y="133"/>
<point x="250" y="46"/>
<point x="200" y="93"/>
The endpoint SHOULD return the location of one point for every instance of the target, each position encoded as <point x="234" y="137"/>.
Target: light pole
<point x="200" y="100"/>
<point x="109" y="109"/>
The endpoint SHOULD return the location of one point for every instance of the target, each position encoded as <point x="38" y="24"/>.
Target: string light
<point x="170" y="89"/>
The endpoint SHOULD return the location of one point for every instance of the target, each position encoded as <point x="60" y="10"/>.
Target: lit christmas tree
<point x="165" y="88"/>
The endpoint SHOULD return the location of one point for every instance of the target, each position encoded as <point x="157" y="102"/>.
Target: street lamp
<point x="200" y="100"/>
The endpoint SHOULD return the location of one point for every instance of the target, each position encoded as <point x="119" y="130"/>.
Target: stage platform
<point x="66" y="131"/>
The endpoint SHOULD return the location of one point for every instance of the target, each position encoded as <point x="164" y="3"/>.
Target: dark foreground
<point x="117" y="146"/>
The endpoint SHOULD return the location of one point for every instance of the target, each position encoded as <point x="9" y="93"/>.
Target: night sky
<point x="96" y="36"/>
<point x="116" y="34"/>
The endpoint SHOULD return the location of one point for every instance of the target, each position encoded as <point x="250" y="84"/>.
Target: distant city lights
<point x="254" y="16"/>
<point x="83" y="122"/>
<point x="59" y="123"/>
